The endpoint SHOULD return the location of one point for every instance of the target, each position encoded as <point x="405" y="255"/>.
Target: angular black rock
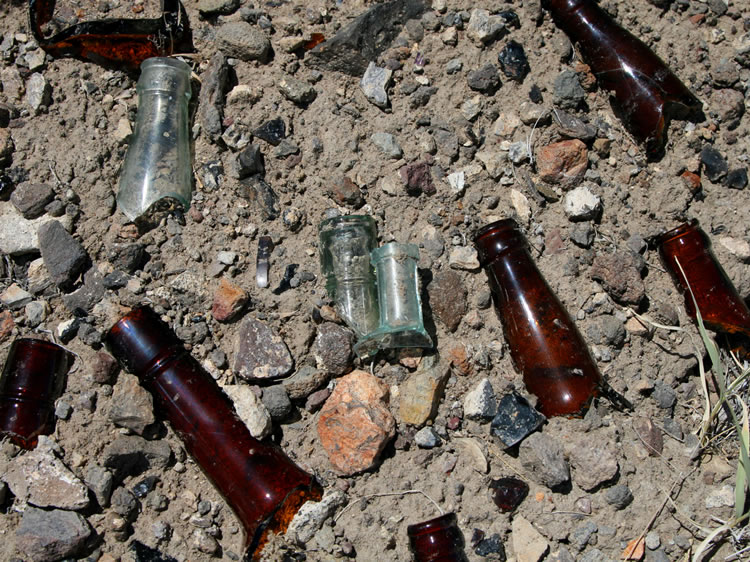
<point x="273" y="131"/>
<point x="285" y="284"/>
<point x="509" y="493"/>
<point x="737" y="179"/>
<point x="510" y="19"/>
<point x="515" y="420"/>
<point x="492" y="545"/>
<point x="714" y="164"/>
<point x="262" y="196"/>
<point x="145" y="553"/>
<point x="513" y="61"/>
<point x="145" y="486"/>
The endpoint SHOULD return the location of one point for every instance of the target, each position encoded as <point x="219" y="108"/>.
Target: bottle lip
<point x="171" y="62"/>
<point x="367" y="220"/>
<point x="447" y="519"/>
<point x="37" y="342"/>
<point x="497" y="226"/>
<point x="681" y="230"/>
<point x="395" y="249"/>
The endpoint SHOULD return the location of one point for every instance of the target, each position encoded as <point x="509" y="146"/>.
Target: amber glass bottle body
<point x="437" y="540"/>
<point x="545" y="344"/>
<point x="261" y="484"/>
<point x="646" y="91"/>
<point x="31" y="382"/>
<point x="686" y="252"/>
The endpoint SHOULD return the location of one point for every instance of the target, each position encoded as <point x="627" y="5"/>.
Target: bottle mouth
<point x="365" y="221"/>
<point x="497" y="237"/>
<point x="677" y="232"/>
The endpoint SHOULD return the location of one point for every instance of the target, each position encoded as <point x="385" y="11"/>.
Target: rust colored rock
<point x="417" y="179"/>
<point x="448" y="298"/>
<point x="6" y="325"/>
<point x="691" y="180"/>
<point x="346" y="193"/>
<point x="355" y="424"/>
<point x="563" y="162"/>
<point x="459" y="357"/>
<point x="229" y="300"/>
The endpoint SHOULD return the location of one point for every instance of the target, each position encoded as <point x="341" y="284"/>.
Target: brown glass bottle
<point x="32" y="379"/>
<point x="646" y="92"/>
<point x="545" y="344"/>
<point x="721" y="307"/>
<point x="437" y="540"/>
<point x="260" y="483"/>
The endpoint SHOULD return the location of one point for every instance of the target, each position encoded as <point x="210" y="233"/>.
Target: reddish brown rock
<point x="619" y="275"/>
<point x="346" y="193"/>
<point x="355" y="425"/>
<point x="691" y="180"/>
<point x="229" y="300"/>
<point x="417" y="179"/>
<point x="6" y="325"/>
<point x="459" y="357"/>
<point x="448" y="298"/>
<point x="563" y="162"/>
<point x="649" y="435"/>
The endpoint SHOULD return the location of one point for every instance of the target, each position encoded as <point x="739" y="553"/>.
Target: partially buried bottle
<point x="686" y="251"/>
<point x="32" y="379"/>
<point x="437" y="540"/>
<point x="260" y="483"/>
<point x="545" y="344"/>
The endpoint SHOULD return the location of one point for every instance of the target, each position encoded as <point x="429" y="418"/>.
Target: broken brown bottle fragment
<point x="647" y="94"/>
<point x="686" y="252"/>
<point x="115" y="43"/>
<point x="32" y="379"/>
<point x="509" y="492"/>
<point x="437" y="540"/>
<point x="545" y="344"/>
<point x="261" y="484"/>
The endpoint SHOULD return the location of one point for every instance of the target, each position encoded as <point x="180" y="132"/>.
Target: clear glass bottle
<point x="345" y="246"/>
<point x="401" y="323"/>
<point x="158" y="164"/>
<point x="261" y="484"/>
<point x="32" y="379"/>
<point x="545" y="345"/>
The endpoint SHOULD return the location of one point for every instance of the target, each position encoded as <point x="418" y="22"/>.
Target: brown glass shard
<point x="646" y="92"/>
<point x="114" y="42"/>
<point x="686" y="252"/>
<point x="437" y="540"/>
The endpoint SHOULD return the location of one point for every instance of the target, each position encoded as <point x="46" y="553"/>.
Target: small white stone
<point x="123" y="131"/>
<point x="723" y="497"/>
<point x="226" y="257"/>
<point x="471" y="108"/>
<point x="493" y="162"/>
<point x="528" y="544"/>
<point x="457" y="182"/>
<point x="15" y="297"/>
<point x="581" y="204"/>
<point x="250" y="410"/>
<point x="312" y="515"/>
<point x="521" y="205"/>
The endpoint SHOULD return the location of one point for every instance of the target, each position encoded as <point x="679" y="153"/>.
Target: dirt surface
<point x="73" y="145"/>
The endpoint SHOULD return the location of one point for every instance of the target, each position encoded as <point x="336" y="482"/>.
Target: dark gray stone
<point x="485" y="79"/>
<point x="273" y="131"/>
<point x="542" y="456"/>
<point x="351" y="49"/>
<point x="582" y="234"/>
<point x="421" y="96"/>
<point x="63" y="255"/>
<point x="619" y="496"/>
<point x="277" y="402"/>
<point x="214" y="85"/>
<point x="243" y="41"/>
<point x="573" y="127"/>
<point x="582" y="535"/>
<point x="124" y="503"/>
<point x="515" y="420"/>
<point x="493" y="546"/>
<point x="304" y="382"/>
<point x="100" y="480"/>
<point x="85" y="298"/>
<point x="568" y="90"/>
<point x="664" y="395"/>
<point x="31" y="198"/>
<point x="262" y="197"/>
<point x="447" y="296"/>
<point x="261" y="354"/>
<point x="333" y="348"/>
<point x="737" y="179"/>
<point x="127" y="257"/>
<point x="296" y="91"/>
<point x="513" y="61"/>
<point x="51" y="535"/>
<point x="247" y="163"/>
<point x="132" y="454"/>
<point x="217" y="7"/>
<point x="612" y="330"/>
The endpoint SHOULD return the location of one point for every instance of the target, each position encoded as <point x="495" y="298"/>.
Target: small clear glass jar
<point x="345" y="246"/>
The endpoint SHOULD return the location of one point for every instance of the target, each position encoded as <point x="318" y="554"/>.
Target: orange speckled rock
<point x="355" y="424"/>
<point x="563" y="162"/>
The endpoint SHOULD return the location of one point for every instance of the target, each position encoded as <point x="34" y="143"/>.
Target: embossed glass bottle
<point x="158" y="164"/>
<point x="260" y="483"/>
<point x="545" y="344"/>
<point x="32" y="379"/>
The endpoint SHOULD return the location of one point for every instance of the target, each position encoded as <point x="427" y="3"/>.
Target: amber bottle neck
<point x="498" y="238"/>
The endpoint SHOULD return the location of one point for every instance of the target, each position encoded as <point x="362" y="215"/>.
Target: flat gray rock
<point x="51" y="535"/>
<point x="63" y="255"/>
<point x="243" y="41"/>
